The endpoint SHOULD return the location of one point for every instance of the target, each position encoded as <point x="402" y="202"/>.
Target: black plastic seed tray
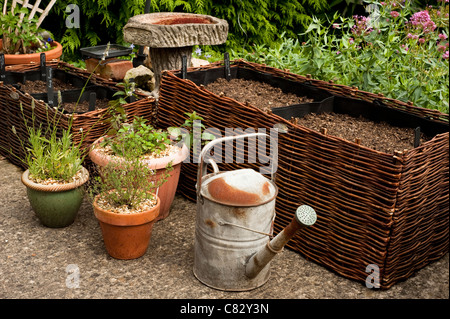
<point x="97" y="52"/>
<point x="74" y="95"/>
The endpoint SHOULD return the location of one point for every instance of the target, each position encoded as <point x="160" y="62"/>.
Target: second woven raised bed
<point x="388" y="211"/>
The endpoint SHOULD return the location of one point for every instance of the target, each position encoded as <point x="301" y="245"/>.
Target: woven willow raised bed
<point x="374" y="208"/>
<point x="89" y="125"/>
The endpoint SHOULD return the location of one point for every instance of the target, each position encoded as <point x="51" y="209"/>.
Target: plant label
<point x="184" y="67"/>
<point x="43" y="67"/>
<point x="50" y="93"/>
<point x="2" y="67"/>
<point x="226" y="59"/>
<point x="92" y="99"/>
<point x="416" y="136"/>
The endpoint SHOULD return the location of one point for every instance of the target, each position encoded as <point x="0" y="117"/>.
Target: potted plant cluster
<point x="152" y="146"/>
<point x="55" y="177"/>
<point x="22" y="40"/>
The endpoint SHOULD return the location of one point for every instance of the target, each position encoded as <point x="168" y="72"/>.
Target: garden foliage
<point x="251" y="21"/>
<point x="394" y="51"/>
<point x="51" y="154"/>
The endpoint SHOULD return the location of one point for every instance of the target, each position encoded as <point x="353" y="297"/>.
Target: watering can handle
<point x="202" y="168"/>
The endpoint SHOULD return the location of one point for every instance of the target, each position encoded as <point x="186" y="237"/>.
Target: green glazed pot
<point x="56" y="205"/>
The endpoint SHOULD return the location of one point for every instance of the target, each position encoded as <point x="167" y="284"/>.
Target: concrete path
<point x="39" y="262"/>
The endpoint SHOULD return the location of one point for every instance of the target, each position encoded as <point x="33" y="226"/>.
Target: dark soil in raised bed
<point x="84" y="106"/>
<point x="379" y="136"/>
<point x="259" y="94"/>
<point x="39" y="86"/>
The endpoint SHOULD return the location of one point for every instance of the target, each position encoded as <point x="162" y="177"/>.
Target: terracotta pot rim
<point x="157" y="163"/>
<point x="54" y="188"/>
<point x="134" y="219"/>
<point x="54" y="53"/>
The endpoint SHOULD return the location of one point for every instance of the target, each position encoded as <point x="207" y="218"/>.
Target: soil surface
<point x="84" y="106"/>
<point x="259" y="94"/>
<point x="380" y="136"/>
<point x="41" y="86"/>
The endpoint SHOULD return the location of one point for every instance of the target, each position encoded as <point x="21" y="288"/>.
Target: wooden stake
<point x="35" y="9"/>
<point x="45" y="13"/>
<point x="4" y="7"/>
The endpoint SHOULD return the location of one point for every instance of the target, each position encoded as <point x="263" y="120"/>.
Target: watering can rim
<point x="201" y="174"/>
<point x="210" y="198"/>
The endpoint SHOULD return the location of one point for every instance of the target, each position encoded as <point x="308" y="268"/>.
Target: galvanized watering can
<point x="235" y="215"/>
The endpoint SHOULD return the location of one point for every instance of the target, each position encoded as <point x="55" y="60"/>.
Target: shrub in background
<point x="395" y="51"/>
<point x="251" y="21"/>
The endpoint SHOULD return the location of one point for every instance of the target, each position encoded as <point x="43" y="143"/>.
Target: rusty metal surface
<point x="305" y="216"/>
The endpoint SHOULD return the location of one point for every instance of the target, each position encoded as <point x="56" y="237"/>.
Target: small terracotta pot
<point x="126" y="236"/>
<point x="12" y="59"/>
<point x="167" y="191"/>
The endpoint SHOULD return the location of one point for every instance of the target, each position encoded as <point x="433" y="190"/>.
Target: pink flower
<point x="351" y="40"/>
<point x="338" y="52"/>
<point x="361" y="26"/>
<point x="442" y="36"/>
<point x="335" y="26"/>
<point x="445" y="55"/>
<point x="394" y="14"/>
<point x="441" y="48"/>
<point x="383" y="3"/>
<point x="421" y="40"/>
<point x="421" y="21"/>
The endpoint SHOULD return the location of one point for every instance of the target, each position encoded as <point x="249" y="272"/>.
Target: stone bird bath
<point x="171" y="35"/>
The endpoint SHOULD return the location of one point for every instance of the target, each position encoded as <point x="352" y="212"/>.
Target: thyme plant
<point x="127" y="184"/>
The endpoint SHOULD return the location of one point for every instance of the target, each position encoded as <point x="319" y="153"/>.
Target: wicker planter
<point x="373" y="208"/>
<point x="88" y="125"/>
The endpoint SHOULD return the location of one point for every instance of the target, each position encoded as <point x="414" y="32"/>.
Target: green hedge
<point x="251" y="21"/>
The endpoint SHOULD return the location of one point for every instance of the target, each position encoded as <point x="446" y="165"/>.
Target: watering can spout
<point x="305" y="216"/>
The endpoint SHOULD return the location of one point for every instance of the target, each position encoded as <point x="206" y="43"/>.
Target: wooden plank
<point x="35" y="9"/>
<point x="13" y="5"/>
<point x="5" y="7"/>
<point x="45" y="13"/>
<point x="22" y="15"/>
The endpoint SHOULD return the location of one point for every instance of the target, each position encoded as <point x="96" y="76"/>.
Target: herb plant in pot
<point x="22" y="40"/>
<point x="153" y="147"/>
<point x="55" y="176"/>
<point x="126" y="205"/>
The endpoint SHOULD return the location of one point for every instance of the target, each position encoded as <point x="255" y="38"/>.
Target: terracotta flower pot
<point x="55" y="53"/>
<point x="126" y="236"/>
<point x="167" y="191"/>
<point x="55" y="205"/>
